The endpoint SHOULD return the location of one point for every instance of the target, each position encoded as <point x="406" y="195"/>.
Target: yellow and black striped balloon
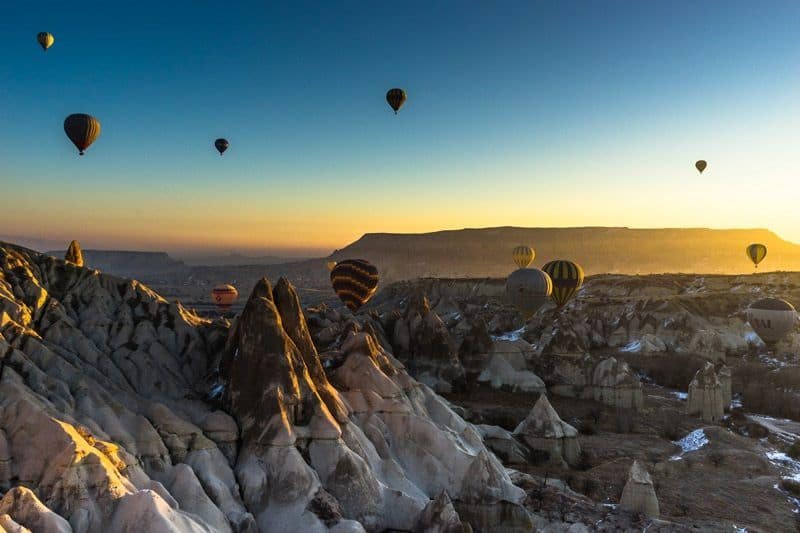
<point x="523" y="255"/>
<point x="756" y="252"/>
<point x="82" y="130"/>
<point x="567" y="279"/>
<point x="396" y="98"/>
<point x="355" y="282"/>
<point x="45" y="40"/>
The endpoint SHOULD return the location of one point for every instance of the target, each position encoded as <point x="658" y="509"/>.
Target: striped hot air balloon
<point x="224" y="296"/>
<point x="396" y="98"/>
<point x="756" y="252"/>
<point x="771" y="319"/>
<point x="567" y="279"/>
<point x="355" y="282"/>
<point x="82" y="130"/>
<point x="45" y="40"/>
<point x="523" y="255"/>
<point x="528" y="289"/>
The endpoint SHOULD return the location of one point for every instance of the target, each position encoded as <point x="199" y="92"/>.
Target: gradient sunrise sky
<point x="521" y="113"/>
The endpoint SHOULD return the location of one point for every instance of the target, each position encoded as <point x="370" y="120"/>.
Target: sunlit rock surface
<point x="120" y="411"/>
<point x="707" y="395"/>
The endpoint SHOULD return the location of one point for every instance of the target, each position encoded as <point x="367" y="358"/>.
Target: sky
<point x="520" y="113"/>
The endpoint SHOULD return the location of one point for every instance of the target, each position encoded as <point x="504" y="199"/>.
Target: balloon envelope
<point x="45" y="40"/>
<point x="221" y="145"/>
<point x="700" y="166"/>
<point x="567" y="279"/>
<point x="82" y="130"/>
<point x="756" y="252"/>
<point x="355" y="282"/>
<point x="523" y="255"/>
<point x="330" y="264"/>
<point x="528" y="289"/>
<point x="396" y="98"/>
<point x="224" y="296"/>
<point x="771" y="319"/>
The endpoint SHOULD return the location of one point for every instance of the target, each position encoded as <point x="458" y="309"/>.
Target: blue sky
<point x="519" y="113"/>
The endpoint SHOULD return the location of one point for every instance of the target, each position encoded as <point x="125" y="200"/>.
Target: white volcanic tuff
<point x="544" y="430"/>
<point x="400" y="447"/>
<point x="706" y="395"/>
<point x="84" y="355"/>
<point x="507" y="367"/>
<point x="609" y="381"/>
<point x="639" y="495"/>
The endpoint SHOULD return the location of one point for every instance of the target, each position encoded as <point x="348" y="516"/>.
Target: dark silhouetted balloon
<point x="567" y="279"/>
<point x="523" y="255"/>
<point x="771" y="319"/>
<point x="528" y="289"/>
<point x="82" y="130"/>
<point x="224" y="296"/>
<point x="756" y="252"/>
<point x="396" y="98"/>
<point x="700" y="166"/>
<point x="221" y="145"/>
<point x="45" y="39"/>
<point x="355" y="282"/>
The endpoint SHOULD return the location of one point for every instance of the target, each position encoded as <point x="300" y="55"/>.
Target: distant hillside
<point x="129" y="263"/>
<point x="236" y="260"/>
<point x="487" y="252"/>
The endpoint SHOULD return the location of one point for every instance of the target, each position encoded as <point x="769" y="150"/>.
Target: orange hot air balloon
<point x="45" y="40"/>
<point x="224" y="296"/>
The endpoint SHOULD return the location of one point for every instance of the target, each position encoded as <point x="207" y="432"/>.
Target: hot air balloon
<point x="523" y="255"/>
<point x="221" y="145"/>
<point x="224" y="296"/>
<point x="701" y="166"/>
<point x="771" y="319"/>
<point x="330" y="264"/>
<point x="528" y="289"/>
<point x="396" y="98"/>
<point x="355" y="282"/>
<point x="756" y="253"/>
<point x="82" y="130"/>
<point x="45" y="39"/>
<point x="567" y="279"/>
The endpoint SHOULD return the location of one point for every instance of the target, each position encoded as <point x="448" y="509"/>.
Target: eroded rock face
<point x="544" y="430"/>
<point x="639" y="495"/>
<point x="607" y="380"/>
<point x="74" y="254"/>
<point x="129" y="413"/>
<point x="706" y="395"/>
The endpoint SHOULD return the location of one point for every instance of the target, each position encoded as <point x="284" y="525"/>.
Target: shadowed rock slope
<point x="120" y="411"/>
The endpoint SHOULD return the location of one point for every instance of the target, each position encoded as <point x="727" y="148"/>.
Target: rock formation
<point x="609" y="381"/>
<point x="725" y="379"/>
<point x="422" y="342"/>
<point x="74" y="254"/>
<point x="639" y="495"/>
<point x="508" y="368"/>
<point x="543" y="430"/>
<point x="124" y="412"/>
<point x="706" y="395"/>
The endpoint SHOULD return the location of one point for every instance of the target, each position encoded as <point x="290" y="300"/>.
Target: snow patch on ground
<point x="752" y="337"/>
<point x="690" y="443"/>
<point x="682" y="396"/>
<point x="632" y="347"/>
<point x="772" y="362"/>
<point x="217" y="391"/>
<point x="510" y="335"/>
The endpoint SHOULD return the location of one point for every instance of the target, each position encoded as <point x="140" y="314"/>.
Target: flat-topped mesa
<point x="544" y="430"/>
<point x="639" y="495"/>
<point x="706" y="395"/>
